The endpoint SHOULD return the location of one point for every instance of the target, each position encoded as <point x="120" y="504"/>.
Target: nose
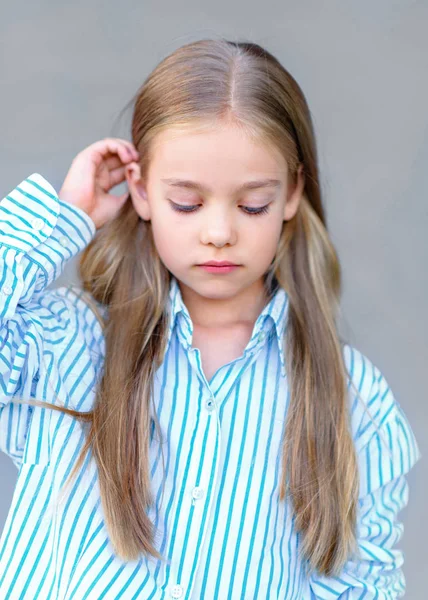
<point x="218" y="228"/>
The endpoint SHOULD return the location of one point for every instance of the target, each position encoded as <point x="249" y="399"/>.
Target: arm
<point x="39" y="233"/>
<point x="383" y="462"/>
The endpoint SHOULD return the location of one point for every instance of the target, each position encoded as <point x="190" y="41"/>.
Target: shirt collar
<point x="274" y="315"/>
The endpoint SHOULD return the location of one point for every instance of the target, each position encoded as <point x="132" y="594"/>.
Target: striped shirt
<point x="220" y="523"/>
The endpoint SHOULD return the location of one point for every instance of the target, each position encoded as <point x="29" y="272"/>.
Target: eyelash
<point x="190" y="209"/>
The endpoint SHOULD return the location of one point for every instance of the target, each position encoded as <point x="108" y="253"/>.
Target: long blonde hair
<point x="202" y="83"/>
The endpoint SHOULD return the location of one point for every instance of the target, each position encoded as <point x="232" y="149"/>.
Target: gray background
<point x="68" y="70"/>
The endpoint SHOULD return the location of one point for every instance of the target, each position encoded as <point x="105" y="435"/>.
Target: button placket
<point x="207" y="477"/>
<point x="197" y="493"/>
<point x="210" y="404"/>
<point x="195" y="361"/>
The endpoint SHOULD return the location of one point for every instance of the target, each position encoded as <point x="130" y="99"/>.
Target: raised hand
<point x="92" y="174"/>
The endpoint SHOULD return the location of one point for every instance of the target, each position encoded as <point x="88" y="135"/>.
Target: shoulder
<point x="384" y="439"/>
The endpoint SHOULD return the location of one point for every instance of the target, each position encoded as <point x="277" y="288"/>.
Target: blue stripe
<point x="237" y="539"/>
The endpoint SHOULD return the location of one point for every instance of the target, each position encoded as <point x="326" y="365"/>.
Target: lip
<point x="218" y="267"/>
<point x="214" y="263"/>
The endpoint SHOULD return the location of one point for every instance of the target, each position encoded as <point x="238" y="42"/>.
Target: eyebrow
<point x="250" y="185"/>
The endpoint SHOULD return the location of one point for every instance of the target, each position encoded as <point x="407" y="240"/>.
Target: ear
<point x="294" y="195"/>
<point x="138" y="190"/>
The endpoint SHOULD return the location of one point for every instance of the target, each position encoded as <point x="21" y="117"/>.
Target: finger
<point x="126" y="144"/>
<point x="113" y="162"/>
<point x="105" y="150"/>
<point x="117" y="176"/>
<point x="124" y="153"/>
<point x="129" y="145"/>
<point x="132" y="148"/>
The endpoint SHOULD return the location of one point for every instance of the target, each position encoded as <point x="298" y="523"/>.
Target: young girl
<point x="197" y="427"/>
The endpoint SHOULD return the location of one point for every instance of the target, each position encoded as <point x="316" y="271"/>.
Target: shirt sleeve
<point x="383" y="462"/>
<point x="39" y="233"/>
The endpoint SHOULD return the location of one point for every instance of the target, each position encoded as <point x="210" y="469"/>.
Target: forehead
<point x="212" y="153"/>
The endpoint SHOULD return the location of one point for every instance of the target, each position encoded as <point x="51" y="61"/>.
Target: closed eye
<point x="249" y="210"/>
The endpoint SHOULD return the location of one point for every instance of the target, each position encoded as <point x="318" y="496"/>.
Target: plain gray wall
<point x="67" y="70"/>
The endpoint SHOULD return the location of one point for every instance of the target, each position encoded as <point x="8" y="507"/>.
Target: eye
<point x="256" y="211"/>
<point x="182" y="208"/>
<point x="194" y="207"/>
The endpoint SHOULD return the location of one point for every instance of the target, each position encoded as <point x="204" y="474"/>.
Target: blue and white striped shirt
<point x="220" y="524"/>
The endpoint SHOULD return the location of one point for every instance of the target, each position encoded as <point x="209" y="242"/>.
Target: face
<point x="232" y="208"/>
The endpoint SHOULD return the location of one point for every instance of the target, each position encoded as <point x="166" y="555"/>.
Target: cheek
<point x="264" y="251"/>
<point x="170" y="236"/>
<point x="264" y="236"/>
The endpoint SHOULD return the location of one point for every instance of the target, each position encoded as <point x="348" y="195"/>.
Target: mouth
<point x="214" y="263"/>
<point x="218" y="267"/>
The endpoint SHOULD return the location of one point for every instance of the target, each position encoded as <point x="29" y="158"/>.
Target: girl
<point x="198" y="429"/>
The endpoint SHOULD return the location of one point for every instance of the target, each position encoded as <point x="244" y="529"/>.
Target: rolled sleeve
<point x="39" y="234"/>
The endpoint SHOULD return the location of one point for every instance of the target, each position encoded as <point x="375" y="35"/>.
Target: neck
<point x="225" y="312"/>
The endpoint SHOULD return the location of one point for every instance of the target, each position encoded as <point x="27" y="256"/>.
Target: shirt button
<point x="197" y="492"/>
<point x="210" y="404"/>
<point x="63" y="240"/>
<point x="6" y="289"/>
<point x="176" y="591"/>
<point x="262" y="336"/>
<point x="37" y="223"/>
